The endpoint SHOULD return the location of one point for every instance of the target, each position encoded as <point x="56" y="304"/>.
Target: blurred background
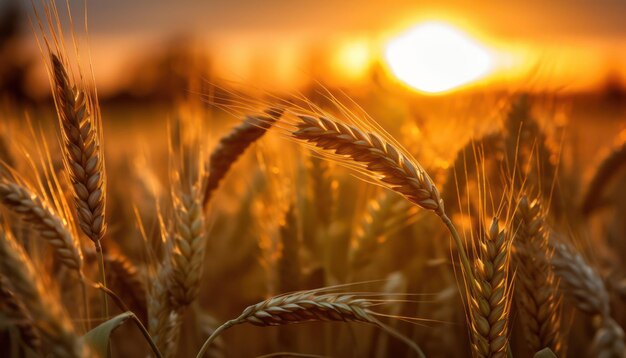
<point x="139" y="48"/>
<point x="442" y="60"/>
<point x="436" y="64"/>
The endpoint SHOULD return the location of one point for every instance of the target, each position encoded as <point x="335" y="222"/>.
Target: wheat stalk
<point x="308" y="306"/>
<point x="465" y="167"/>
<point x="288" y="265"/>
<point x="52" y="228"/>
<point x="82" y="155"/>
<point x="82" y="152"/>
<point x="385" y="213"/>
<point x="124" y="278"/>
<point x="536" y="284"/>
<point x="231" y="146"/>
<point x="608" y="340"/>
<point x="378" y="156"/>
<point x="49" y="319"/>
<point x="164" y="320"/>
<point x="206" y="325"/>
<point x="489" y="304"/>
<point x="379" y="159"/>
<point x="609" y="166"/>
<point x="17" y="312"/>
<point x="579" y="281"/>
<point x="188" y="247"/>
<point x="323" y="189"/>
<point x="582" y="284"/>
<point x="528" y="153"/>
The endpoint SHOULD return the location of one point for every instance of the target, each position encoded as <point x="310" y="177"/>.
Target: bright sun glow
<point x="435" y="57"/>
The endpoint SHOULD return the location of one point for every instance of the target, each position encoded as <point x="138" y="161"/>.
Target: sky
<point x="514" y="18"/>
<point x="562" y="35"/>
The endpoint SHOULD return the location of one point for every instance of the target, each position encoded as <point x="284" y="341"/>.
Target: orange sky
<point x="564" y="45"/>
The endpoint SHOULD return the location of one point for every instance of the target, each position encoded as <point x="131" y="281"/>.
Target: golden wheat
<point x="82" y="152"/>
<point x="288" y="265"/>
<point x="393" y="168"/>
<point x="52" y="228"/>
<point x="536" y="284"/>
<point x="233" y="145"/>
<point x="188" y="247"/>
<point x="489" y="304"/>
<point x="49" y="319"/>
<point x="308" y="306"/>
<point x="18" y="314"/>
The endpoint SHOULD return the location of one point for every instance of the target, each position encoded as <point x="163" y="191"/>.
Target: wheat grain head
<point x="53" y="229"/>
<point x="80" y="124"/>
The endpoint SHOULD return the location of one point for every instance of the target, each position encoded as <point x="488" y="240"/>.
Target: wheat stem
<point x="144" y="331"/>
<point x="467" y="267"/>
<point x="83" y="289"/>
<point x="105" y="303"/>
<point x="215" y="334"/>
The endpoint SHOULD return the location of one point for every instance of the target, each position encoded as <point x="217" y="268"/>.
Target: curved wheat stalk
<point x="125" y="279"/>
<point x="384" y="214"/>
<point x="489" y="306"/>
<point x="579" y="281"/>
<point x="17" y="313"/>
<point x="584" y="286"/>
<point x="609" y="166"/>
<point x="536" y="283"/>
<point x="233" y="145"/>
<point x="608" y="340"/>
<point x="49" y="319"/>
<point x="30" y="208"/>
<point x="377" y="158"/>
<point x="206" y="325"/>
<point x="308" y="306"/>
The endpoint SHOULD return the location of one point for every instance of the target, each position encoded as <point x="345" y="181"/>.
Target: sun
<point x="435" y="57"/>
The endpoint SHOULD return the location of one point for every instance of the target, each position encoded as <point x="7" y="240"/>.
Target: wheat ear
<point x="608" y="340"/>
<point x="528" y="152"/>
<point x="323" y="189"/>
<point x="288" y="265"/>
<point x="579" y="281"/>
<point x="82" y="155"/>
<point x="231" y="146"/>
<point x="464" y="167"/>
<point x="378" y="156"/>
<point x="164" y="320"/>
<point x="188" y="247"/>
<point x="385" y="213"/>
<point x="584" y="286"/>
<point x="308" y="306"/>
<point x="536" y="283"/>
<point x="82" y="152"/>
<point x="609" y="166"/>
<point x="53" y="229"/>
<point x="49" y="319"/>
<point x="489" y="305"/>
<point x="17" y="313"/>
<point x="379" y="159"/>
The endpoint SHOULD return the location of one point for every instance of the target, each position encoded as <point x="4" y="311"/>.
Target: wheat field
<point x="238" y="222"/>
